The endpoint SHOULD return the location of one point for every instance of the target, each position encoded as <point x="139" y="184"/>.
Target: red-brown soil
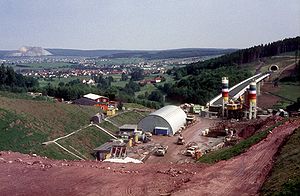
<point x="176" y="152"/>
<point x="243" y="175"/>
<point x="267" y="100"/>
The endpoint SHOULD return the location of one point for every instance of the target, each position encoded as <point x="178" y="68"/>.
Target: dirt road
<point x="175" y="152"/>
<point x="242" y="175"/>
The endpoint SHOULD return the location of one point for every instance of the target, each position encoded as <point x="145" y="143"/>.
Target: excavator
<point x="235" y="108"/>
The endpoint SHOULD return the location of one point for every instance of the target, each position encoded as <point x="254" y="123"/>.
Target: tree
<point x="137" y="74"/>
<point x="2" y="74"/>
<point x="156" y="96"/>
<point x="124" y="77"/>
<point x="132" y="86"/>
<point x="10" y="77"/>
<point x="110" y="79"/>
<point x="61" y="84"/>
<point x="120" y="105"/>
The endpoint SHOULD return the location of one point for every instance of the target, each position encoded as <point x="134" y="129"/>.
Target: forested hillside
<point x="244" y="56"/>
<point x="199" y="82"/>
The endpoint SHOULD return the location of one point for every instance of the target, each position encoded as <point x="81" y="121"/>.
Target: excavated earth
<point x="242" y="175"/>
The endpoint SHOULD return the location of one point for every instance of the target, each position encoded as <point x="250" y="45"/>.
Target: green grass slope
<point x="54" y="119"/>
<point x="25" y="124"/>
<point x="85" y="141"/>
<point x="284" y="178"/>
<point x="130" y="117"/>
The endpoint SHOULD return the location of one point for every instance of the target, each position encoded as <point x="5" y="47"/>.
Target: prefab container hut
<point x="171" y="117"/>
<point x="128" y="129"/>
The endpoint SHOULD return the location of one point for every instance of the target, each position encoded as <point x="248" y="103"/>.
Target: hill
<point x="26" y="124"/>
<point x="284" y="178"/>
<point x="146" y="54"/>
<point x="199" y="82"/>
<point x="174" y="53"/>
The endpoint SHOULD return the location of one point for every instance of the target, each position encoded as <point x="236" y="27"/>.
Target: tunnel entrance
<point x="273" y="68"/>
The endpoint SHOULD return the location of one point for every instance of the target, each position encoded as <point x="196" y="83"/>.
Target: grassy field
<point x="42" y="66"/>
<point x="85" y="141"/>
<point x="285" y="175"/>
<point x="56" y="81"/>
<point x="24" y="96"/>
<point x="119" y="61"/>
<point x="119" y="83"/>
<point x="134" y="105"/>
<point x="49" y="65"/>
<point x="229" y="152"/>
<point x="147" y="88"/>
<point x="130" y="117"/>
<point x="288" y="91"/>
<point x="109" y="127"/>
<point x="25" y="124"/>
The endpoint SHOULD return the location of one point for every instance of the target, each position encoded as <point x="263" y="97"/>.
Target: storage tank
<point x="225" y="89"/>
<point x="252" y="100"/>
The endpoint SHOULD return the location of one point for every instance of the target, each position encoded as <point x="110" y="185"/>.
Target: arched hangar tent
<point x="171" y="117"/>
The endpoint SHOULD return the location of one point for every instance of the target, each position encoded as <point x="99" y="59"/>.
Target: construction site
<point x="183" y="134"/>
<point x="166" y="144"/>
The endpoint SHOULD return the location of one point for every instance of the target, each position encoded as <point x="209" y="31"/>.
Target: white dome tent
<point x="171" y="117"/>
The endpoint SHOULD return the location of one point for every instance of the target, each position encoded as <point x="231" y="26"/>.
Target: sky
<point x="146" y="24"/>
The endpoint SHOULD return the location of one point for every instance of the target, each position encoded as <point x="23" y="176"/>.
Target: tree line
<point x="240" y="57"/>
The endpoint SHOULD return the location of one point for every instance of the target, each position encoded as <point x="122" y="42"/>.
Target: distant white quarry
<point x="30" y="51"/>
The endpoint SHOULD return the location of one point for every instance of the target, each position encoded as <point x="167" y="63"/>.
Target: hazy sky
<point x="146" y="24"/>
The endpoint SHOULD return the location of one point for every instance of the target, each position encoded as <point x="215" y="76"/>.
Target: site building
<point x="115" y="149"/>
<point x="97" y="98"/>
<point x="128" y="129"/>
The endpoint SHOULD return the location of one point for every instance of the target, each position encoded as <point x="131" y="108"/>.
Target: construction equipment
<point x="190" y="151"/>
<point x="161" y="150"/>
<point x="180" y="140"/>
<point x="235" y="108"/>
<point x="198" y="154"/>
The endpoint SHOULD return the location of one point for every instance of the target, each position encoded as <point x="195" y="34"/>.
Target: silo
<point x="225" y="92"/>
<point x="225" y="89"/>
<point x="252" y="100"/>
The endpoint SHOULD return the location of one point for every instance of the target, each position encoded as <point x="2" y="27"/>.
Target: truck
<point x="161" y="150"/>
<point x="191" y="150"/>
<point x="161" y="131"/>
